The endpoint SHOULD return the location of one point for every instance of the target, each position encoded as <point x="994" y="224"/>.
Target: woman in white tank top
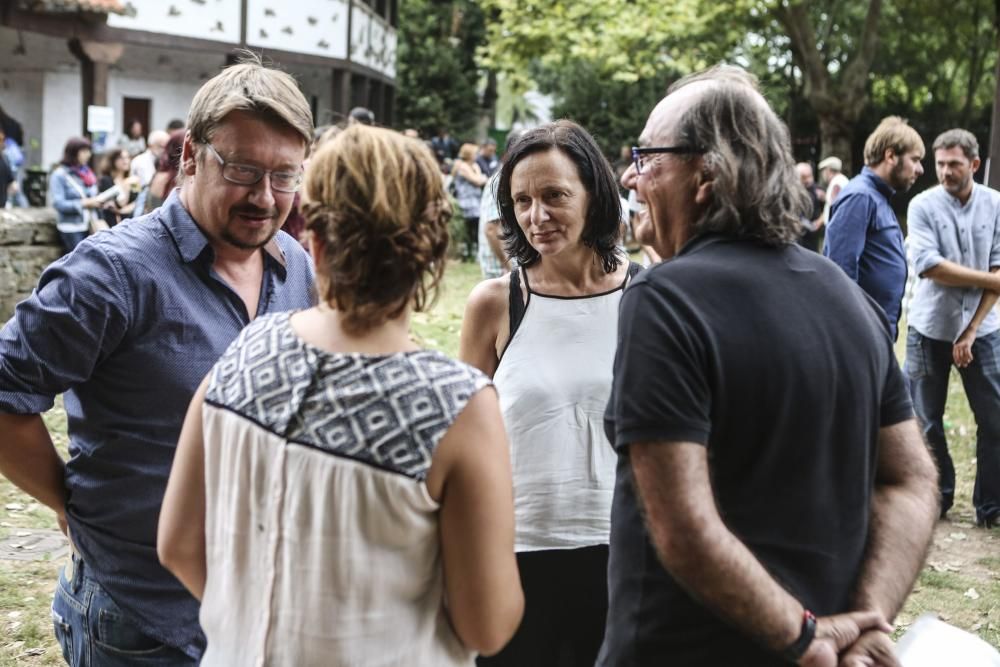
<point x="546" y="335"/>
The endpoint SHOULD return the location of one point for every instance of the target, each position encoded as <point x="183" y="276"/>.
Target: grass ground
<point x="961" y="582"/>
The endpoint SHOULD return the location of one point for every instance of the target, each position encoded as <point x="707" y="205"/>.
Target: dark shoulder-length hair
<point x="603" y="217"/>
<point x="72" y="150"/>
<point x="756" y="192"/>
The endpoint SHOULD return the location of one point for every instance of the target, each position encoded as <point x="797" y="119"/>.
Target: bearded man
<point x="863" y="236"/>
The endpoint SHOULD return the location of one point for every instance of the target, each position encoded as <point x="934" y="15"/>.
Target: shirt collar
<point x="955" y="201"/>
<point x="877" y="182"/>
<point x="191" y="242"/>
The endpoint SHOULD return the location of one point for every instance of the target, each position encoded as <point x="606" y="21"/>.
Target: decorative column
<point x="96" y="59"/>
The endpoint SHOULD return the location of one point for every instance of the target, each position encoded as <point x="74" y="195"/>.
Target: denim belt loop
<point x="75" y="572"/>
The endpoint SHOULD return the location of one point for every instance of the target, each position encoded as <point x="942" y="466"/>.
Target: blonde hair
<point x="251" y="87"/>
<point x="468" y="152"/>
<point x="376" y="201"/>
<point x="894" y="134"/>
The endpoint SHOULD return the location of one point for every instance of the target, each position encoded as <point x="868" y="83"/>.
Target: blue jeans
<point x="928" y="364"/>
<point x="94" y="632"/>
<point x="71" y="240"/>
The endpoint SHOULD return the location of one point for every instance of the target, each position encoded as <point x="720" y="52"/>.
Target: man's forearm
<point x="951" y="274"/>
<point x="986" y="303"/>
<point x="705" y="557"/>
<point x="901" y="530"/>
<point x="721" y="573"/>
<point x="904" y="510"/>
<point x="30" y="461"/>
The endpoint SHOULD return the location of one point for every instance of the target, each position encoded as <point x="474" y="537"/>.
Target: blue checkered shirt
<point x="127" y="326"/>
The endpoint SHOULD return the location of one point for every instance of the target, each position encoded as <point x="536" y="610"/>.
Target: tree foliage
<point x="825" y="65"/>
<point x="437" y="75"/>
<point x="613" y="111"/>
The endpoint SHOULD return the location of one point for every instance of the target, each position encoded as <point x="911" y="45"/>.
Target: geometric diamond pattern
<point x="388" y="411"/>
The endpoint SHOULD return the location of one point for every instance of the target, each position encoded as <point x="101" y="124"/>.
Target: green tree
<point x="825" y="65"/>
<point x="437" y="75"/>
<point x="613" y="111"/>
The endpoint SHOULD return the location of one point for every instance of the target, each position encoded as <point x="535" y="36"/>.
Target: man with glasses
<point x="127" y="326"/>
<point x="774" y="500"/>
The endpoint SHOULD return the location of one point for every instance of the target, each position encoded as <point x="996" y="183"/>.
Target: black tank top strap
<point x="633" y="270"/>
<point x="517" y="305"/>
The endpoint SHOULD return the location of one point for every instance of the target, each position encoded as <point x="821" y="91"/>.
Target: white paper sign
<point x="933" y="643"/>
<point x="100" y="119"/>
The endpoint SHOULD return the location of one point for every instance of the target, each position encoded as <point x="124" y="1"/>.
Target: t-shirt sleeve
<point x="75" y="318"/>
<point x="660" y="390"/>
<point x="896" y="405"/>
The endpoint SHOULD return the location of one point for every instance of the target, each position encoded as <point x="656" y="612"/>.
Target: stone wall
<point x="28" y="243"/>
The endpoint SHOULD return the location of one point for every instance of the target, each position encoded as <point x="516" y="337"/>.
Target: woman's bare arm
<point x="484" y="319"/>
<point x="180" y="540"/>
<point x="471" y="469"/>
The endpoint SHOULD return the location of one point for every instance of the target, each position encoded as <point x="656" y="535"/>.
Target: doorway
<point x="136" y="108"/>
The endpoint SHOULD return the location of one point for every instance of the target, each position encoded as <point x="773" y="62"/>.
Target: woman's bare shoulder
<point x="489" y="297"/>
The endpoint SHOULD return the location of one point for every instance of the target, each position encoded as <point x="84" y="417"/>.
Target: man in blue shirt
<point x="127" y="326"/>
<point x="954" y="244"/>
<point x="863" y="236"/>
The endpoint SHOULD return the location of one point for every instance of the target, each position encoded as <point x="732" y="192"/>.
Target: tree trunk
<point x="835" y="133"/>
<point x="837" y="105"/>
<point x="488" y="113"/>
<point x="993" y="161"/>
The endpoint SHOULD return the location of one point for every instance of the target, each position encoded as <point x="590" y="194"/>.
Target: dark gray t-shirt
<point x="784" y="369"/>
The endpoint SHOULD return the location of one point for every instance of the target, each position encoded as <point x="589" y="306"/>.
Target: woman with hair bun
<point x="340" y="496"/>
<point x="546" y="334"/>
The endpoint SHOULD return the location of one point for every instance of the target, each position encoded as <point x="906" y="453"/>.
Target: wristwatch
<point x="798" y="648"/>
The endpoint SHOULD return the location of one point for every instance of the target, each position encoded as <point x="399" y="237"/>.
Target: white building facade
<point x="145" y="59"/>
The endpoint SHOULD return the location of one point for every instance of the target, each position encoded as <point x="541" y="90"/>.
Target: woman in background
<point x="73" y="188"/>
<point x="340" y="496"/>
<point x="134" y="139"/>
<point x="546" y="334"/>
<point x="468" y="181"/>
<point x="114" y="170"/>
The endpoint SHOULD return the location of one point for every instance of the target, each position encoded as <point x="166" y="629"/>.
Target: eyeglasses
<point x="638" y="153"/>
<point x="247" y="174"/>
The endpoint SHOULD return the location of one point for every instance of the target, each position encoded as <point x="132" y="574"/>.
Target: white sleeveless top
<point x="322" y="540"/>
<point x="554" y="380"/>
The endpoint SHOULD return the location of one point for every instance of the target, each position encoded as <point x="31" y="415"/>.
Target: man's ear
<point x="890" y="156"/>
<point x="189" y="164"/>
<point x="705" y="183"/>
<point x="975" y="164"/>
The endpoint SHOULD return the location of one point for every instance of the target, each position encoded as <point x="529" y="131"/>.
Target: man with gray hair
<point x="774" y="501"/>
<point x="954" y="246"/>
<point x="127" y="326"/>
<point x="143" y="165"/>
<point x="831" y="176"/>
